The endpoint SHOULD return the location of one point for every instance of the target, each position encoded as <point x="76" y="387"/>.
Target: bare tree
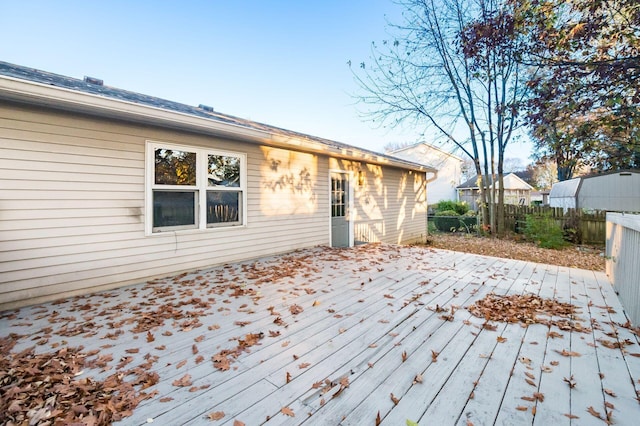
<point x="452" y="67"/>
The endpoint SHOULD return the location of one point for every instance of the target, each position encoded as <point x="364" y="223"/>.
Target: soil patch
<point x="575" y="257"/>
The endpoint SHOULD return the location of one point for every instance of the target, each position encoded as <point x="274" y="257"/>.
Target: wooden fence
<point x="587" y="228"/>
<point x="623" y="260"/>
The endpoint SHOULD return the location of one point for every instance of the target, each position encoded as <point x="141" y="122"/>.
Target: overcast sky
<point x="280" y="62"/>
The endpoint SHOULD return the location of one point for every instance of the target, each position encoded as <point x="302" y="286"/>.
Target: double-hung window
<point x="194" y="188"/>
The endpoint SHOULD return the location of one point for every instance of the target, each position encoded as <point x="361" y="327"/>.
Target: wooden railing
<point x="623" y="260"/>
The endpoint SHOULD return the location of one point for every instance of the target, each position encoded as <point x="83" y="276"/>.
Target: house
<point x="443" y="183"/>
<point x="103" y="187"/>
<point x="617" y="191"/>
<point x="516" y="190"/>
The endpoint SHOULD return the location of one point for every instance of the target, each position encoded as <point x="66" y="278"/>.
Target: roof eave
<point x="33" y="93"/>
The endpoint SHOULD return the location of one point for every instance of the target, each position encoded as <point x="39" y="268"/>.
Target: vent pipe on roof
<point x="93" y="80"/>
<point x="205" y="107"/>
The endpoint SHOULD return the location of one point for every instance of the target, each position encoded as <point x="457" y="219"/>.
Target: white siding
<point x="72" y="206"/>
<point x="390" y="204"/>
<point x="443" y="187"/>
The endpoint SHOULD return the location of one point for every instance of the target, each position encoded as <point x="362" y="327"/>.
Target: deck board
<point x="371" y="317"/>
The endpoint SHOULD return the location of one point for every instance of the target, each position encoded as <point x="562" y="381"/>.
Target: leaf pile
<point x="527" y="309"/>
<point x="44" y="389"/>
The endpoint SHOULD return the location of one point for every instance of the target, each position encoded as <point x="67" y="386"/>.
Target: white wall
<point x="449" y="170"/>
<point x="72" y="194"/>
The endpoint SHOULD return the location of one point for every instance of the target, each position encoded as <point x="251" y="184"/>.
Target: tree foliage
<point x="583" y="108"/>
<point x="452" y="66"/>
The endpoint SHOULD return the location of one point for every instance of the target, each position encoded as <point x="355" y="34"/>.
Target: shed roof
<point x="567" y="188"/>
<point x="511" y="181"/>
<point x="91" y="96"/>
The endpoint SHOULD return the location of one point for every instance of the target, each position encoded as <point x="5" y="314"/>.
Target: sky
<point x="279" y="62"/>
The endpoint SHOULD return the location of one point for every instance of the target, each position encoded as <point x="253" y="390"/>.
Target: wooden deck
<point x="328" y="337"/>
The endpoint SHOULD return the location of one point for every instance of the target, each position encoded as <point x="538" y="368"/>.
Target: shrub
<point x="544" y="231"/>
<point x="447" y="220"/>
<point x="458" y="207"/>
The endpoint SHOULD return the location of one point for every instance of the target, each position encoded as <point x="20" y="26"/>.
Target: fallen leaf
<point x="501" y="339"/>
<point x="404" y="356"/>
<point x="594" y="413"/>
<point x="570" y="381"/>
<point x="184" y="381"/>
<point x="373" y="345"/>
<point x="287" y="411"/>
<point x="238" y="423"/>
<point x="434" y="356"/>
<point x="378" y="419"/>
<point x="571" y="416"/>
<point x="296" y="309"/>
<point x="132" y="351"/>
<point x="303" y="365"/>
<point x="522" y="408"/>
<point x="418" y="378"/>
<point x="181" y="364"/>
<point x="610" y="392"/>
<point x="216" y="415"/>
<point x="199" y="338"/>
<point x="394" y="399"/>
<point x="288" y="377"/>
<point x="150" y="337"/>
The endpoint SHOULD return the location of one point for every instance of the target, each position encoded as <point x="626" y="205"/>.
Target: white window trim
<point x="201" y="186"/>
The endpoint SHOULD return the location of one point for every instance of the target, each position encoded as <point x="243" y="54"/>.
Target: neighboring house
<point x="516" y="190"/>
<point x="103" y="187"/>
<point x="443" y="183"/>
<point x="617" y="191"/>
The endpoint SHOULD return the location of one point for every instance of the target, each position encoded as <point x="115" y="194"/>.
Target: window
<point x="194" y="188"/>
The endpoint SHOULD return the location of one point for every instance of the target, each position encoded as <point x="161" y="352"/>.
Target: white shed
<point x="614" y="191"/>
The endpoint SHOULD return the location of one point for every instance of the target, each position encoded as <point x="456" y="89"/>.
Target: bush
<point x="458" y="207"/>
<point x="447" y="220"/>
<point x="544" y="231"/>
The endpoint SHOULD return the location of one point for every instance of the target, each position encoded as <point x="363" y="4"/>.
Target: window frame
<point x="200" y="188"/>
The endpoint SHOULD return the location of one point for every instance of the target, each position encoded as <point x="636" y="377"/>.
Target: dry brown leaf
<point x="571" y="416"/>
<point x="594" y="413"/>
<point x="303" y="365"/>
<point x="522" y="408"/>
<point x="150" y="337"/>
<point x="238" y="423"/>
<point x="199" y="338"/>
<point x="378" y="419"/>
<point x="181" y="364"/>
<point x="418" y="378"/>
<point x="570" y="381"/>
<point x="132" y="351"/>
<point x="501" y="339"/>
<point x="373" y="345"/>
<point x="288" y="377"/>
<point x="296" y="309"/>
<point x="216" y="415"/>
<point x="434" y="356"/>
<point x="610" y="392"/>
<point x="394" y="399"/>
<point x="404" y="356"/>
<point x="184" y="381"/>
<point x="287" y="411"/>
